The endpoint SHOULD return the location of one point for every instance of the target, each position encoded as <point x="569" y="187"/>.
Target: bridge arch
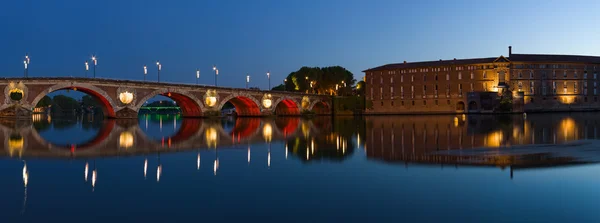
<point x="189" y="104"/>
<point x="320" y="107"/>
<point x="108" y="104"/>
<point x="286" y="106"/>
<point x="245" y="104"/>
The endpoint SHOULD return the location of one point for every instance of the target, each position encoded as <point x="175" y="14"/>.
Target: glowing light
<point x="126" y="140"/>
<point x="198" y="162"/>
<point x="87" y="66"/>
<point x="211" y="137"/>
<point x="464" y="117"/>
<point x="94" y="178"/>
<point x="197" y="73"/>
<point x="286" y="151"/>
<point x="145" y="70"/>
<point x="15" y="144"/>
<point x="269" y="159"/>
<point x="145" y="167"/>
<point x="215" y="166"/>
<point x="248" y="154"/>
<point x="305" y="102"/>
<point x="214" y="67"/>
<point x="25" y="174"/>
<point x="455" y="121"/>
<point x="494" y="139"/>
<point x="126" y="97"/>
<point x="248" y="78"/>
<point x="159" y="65"/>
<point x="268" y="132"/>
<point x="307" y="153"/>
<point x="158" y="173"/>
<point x="95" y="60"/>
<point x="312" y="146"/>
<point x="267" y="103"/>
<point x="85" y="171"/>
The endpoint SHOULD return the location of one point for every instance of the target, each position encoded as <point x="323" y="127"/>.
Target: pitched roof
<point x="433" y="63"/>
<point x="554" y="58"/>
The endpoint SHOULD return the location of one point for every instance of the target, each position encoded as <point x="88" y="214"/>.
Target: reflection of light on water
<point x="312" y="146"/>
<point x="25" y="175"/>
<point x="16" y="144"/>
<point x="566" y="126"/>
<point x="269" y="159"/>
<point x="494" y="139"/>
<point x="307" y="153"/>
<point x="305" y="128"/>
<point x="146" y="122"/>
<point x="357" y="140"/>
<point x="174" y="123"/>
<point x="160" y="123"/>
<point x="215" y="166"/>
<point x="94" y="177"/>
<point x="455" y="121"/>
<point x="198" y="162"/>
<point x="126" y="140"/>
<point x="85" y="172"/>
<point x="268" y="132"/>
<point x="145" y="167"/>
<point x="248" y="154"/>
<point x="286" y="150"/>
<point x="211" y="137"/>
<point x="337" y="143"/>
<point x="158" y="173"/>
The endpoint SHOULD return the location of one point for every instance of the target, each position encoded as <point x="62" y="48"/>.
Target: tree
<point x="323" y="80"/>
<point x="64" y="103"/>
<point x="278" y="88"/>
<point x="361" y="86"/>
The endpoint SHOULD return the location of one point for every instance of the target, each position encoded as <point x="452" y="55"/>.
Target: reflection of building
<point x="541" y="82"/>
<point x="426" y="138"/>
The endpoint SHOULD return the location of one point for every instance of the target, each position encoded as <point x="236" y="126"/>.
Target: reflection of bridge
<point x="125" y="137"/>
<point x="123" y="99"/>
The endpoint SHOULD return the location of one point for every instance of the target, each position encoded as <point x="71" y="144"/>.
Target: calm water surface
<point x="375" y="169"/>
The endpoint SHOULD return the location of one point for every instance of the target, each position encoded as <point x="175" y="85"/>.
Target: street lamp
<point x="216" y="73"/>
<point x="87" y="68"/>
<point x="145" y="71"/>
<point x="284" y="83"/>
<point x="95" y="60"/>
<point x="197" y="75"/>
<point x="159" y="66"/>
<point x="26" y="63"/>
<point x="247" y="80"/>
<point x="269" y="77"/>
<point x="306" y="78"/>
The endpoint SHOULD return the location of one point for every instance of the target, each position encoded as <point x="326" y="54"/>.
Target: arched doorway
<point x="287" y="107"/>
<point x="472" y="106"/>
<point x="460" y="106"/>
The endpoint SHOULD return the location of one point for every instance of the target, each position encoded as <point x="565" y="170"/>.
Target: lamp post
<point x="145" y="71"/>
<point x="284" y="83"/>
<point x="247" y="80"/>
<point x="216" y="73"/>
<point x="87" y="67"/>
<point x="197" y="75"/>
<point x="159" y="66"/>
<point x="26" y="63"/>
<point x="269" y="77"/>
<point x="306" y="78"/>
<point x="95" y="60"/>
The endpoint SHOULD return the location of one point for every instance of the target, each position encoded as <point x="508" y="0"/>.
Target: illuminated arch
<point x="286" y="106"/>
<point x="320" y="107"/>
<point x="245" y="104"/>
<point x="108" y="104"/>
<point x="189" y="104"/>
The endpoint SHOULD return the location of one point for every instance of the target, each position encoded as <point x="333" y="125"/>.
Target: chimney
<point x="509" y="51"/>
<point x="454" y="58"/>
<point x="405" y="61"/>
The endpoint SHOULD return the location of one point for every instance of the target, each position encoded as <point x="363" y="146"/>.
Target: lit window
<point x="412" y="78"/>
<point x="575" y="87"/>
<point x="391" y="80"/>
<point x="401" y="78"/>
<point x="380" y="93"/>
<point x="484" y="75"/>
<point x="531" y="88"/>
<point x="392" y="92"/>
<point x="472" y="76"/>
<point x="459" y="75"/>
<point x="472" y="87"/>
<point x="520" y="86"/>
<point x="381" y="80"/>
<point x="447" y="77"/>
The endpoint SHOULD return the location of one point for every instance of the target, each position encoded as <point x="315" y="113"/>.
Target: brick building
<point x="538" y="82"/>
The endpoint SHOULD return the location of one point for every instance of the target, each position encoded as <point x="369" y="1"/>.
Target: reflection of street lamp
<point x="247" y="80"/>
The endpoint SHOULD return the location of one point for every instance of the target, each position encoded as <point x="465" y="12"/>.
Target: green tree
<point x="324" y="80"/>
<point x="280" y="87"/>
<point x="361" y="86"/>
<point x="61" y="103"/>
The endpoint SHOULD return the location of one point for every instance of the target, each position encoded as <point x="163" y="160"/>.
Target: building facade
<point x="537" y="82"/>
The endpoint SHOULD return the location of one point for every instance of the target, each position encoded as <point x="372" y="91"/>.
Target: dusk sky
<point x="253" y="37"/>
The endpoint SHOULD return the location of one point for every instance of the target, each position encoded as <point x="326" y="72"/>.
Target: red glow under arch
<point x="245" y="106"/>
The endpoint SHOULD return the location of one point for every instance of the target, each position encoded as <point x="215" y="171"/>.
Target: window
<point x="472" y="76"/>
<point x="585" y="75"/>
<point x="381" y="80"/>
<point x="448" y="77"/>
<point x="459" y="75"/>
<point x="460" y="89"/>
<point x="392" y="103"/>
<point x="520" y="74"/>
<point x="412" y="78"/>
<point x="371" y="94"/>
<point x="595" y="75"/>
<point x="484" y="86"/>
<point x="424" y="78"/>
<point x="520" y="86"/>
<point x="554" y="87"/>
<point x="575" y="87"/>
<point x="381" y="103"/>
<point x="401" y="78"/>
<point x="554" y="74"/>
<point x="402" y="103"/>
<point x="401" y="91"/>
<point x="391" y="80"/>
<point x="392" y="92"/>
<point x="380" y="93"/>
<point x="565" y="84"/>
<point x="413" y="103"/>
<point x="448" y="90"/>
<point x="448" y="102"/>
<point x="531" y="88"/>
<point x="472" y="87"/>
<point x="530" y="74"/>
<point x="412" y="91"/>
<point x="565" y="74"/>
<point x="575" y="75"/>
<point x="484" y="75"/>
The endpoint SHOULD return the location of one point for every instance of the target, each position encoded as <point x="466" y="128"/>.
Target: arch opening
<point x="73" y="99"/>
<point x="321" y="108"/>
<point x="472" y="106"/>
<point x="171" y="103"/>
<point x="244" y="106"/>
<point x="460" y="106"/>
<point x="287" y="107"/>
<point x="72" y="133"/>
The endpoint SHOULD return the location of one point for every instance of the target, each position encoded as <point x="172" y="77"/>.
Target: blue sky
<point x="253" y="37"/>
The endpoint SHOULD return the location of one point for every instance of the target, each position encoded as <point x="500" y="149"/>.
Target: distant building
<point x="538" y="82"/>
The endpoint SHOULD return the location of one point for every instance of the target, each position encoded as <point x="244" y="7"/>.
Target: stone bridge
<point x="124" y="98"/>
<point x="124" y="137"/>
